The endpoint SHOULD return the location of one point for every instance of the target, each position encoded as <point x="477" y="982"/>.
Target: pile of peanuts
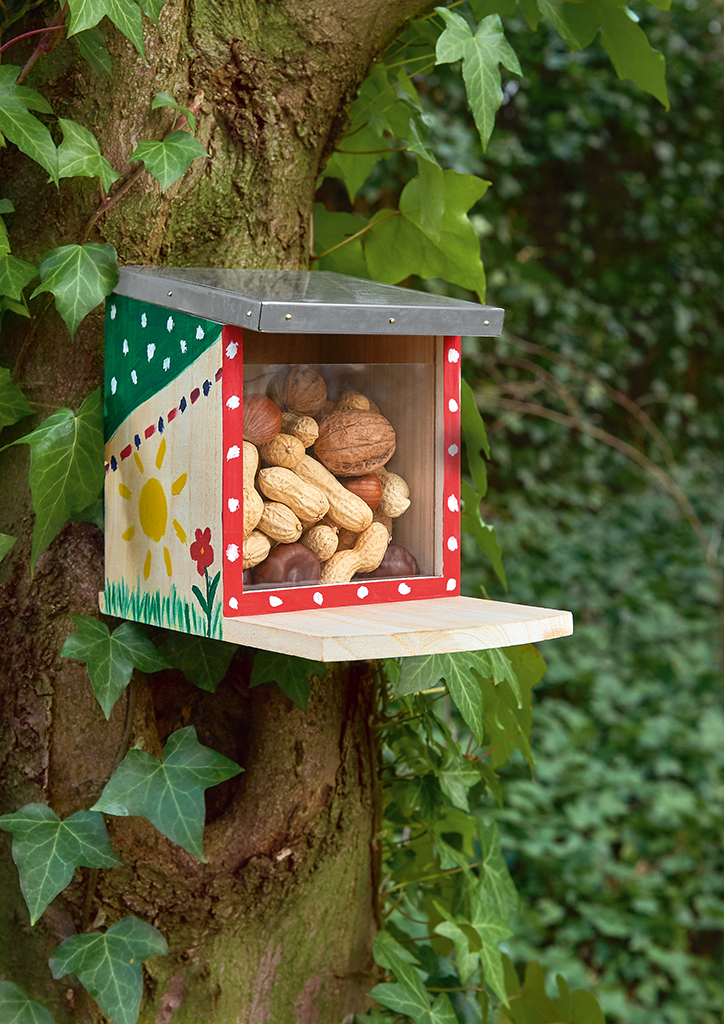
<point x="303" y="523"/>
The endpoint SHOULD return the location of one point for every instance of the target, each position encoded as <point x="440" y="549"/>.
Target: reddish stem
<point x="34" y="32"/>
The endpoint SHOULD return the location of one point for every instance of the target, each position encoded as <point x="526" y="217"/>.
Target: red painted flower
<point x="201" y="550"/>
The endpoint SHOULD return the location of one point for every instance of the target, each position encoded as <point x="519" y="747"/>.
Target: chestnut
<point x="288" y="563"/>
<point x="396" y="561"/>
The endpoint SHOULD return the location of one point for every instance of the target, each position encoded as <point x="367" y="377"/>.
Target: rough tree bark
<point x="277" y="926"/>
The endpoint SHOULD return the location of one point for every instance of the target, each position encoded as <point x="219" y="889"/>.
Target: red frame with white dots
<point x="241" y="602"/>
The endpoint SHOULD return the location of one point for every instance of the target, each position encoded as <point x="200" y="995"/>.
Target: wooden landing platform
<point x="399" y="629"/>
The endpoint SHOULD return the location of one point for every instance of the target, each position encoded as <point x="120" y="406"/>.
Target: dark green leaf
<point x="6" y="542"/>
<point x="289" y="673"/>
<point x="203" y="661"/>
<point x="66" y="468"/>
<point x="485" y="538"/>
<point x="152" y="8"/>
<point x="481" y="54"/>
<point x="532" y="1004"/>
<point x="109" y="965"/>
<point x="168" y="159"/>
<point x="494" y="875"/>
<point x="15" y="275"/>
<point x="169" y="793"/>
<point x="19" y="126"/>
<point x="165" y="99"/>
<point x="18" y="1008"/>
<point x="80" y="277"/>
<point x="475" y="437"/>
<point x="80" y="154"/>
<point x="13" y="403"/>
<point x="125" y="15"/>
<point x="111" y="658"/>
<point x="46" y="850"/>
<point x="91" y="43"/>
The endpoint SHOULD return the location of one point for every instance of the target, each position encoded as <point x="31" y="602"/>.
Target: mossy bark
<point x="277" y="925"/>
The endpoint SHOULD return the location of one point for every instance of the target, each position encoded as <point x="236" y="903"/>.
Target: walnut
<point x="354" y="442"/>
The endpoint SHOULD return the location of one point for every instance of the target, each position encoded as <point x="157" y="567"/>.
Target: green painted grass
<point x="171" y="610"/>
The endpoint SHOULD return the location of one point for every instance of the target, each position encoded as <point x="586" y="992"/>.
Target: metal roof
<point x="302" y="301"/>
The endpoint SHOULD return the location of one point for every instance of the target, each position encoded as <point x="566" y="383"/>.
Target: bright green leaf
<point x="80" y="277"/>
<point x="152" y="8"/>
<point x="290" y="674"/>
<point x="456" y="776"/>
<point x="46" y="850"/>
<point x="13" y="403"/>
<point x="331" y="229"/>
<point x="15" y="275"/>
<point x="80" y="154"/>
<point x="485" y="538"/>
<point x="91" y="43"/>
<point x="111" y="658"/>
<point x="165" y="99"/>
<point x="425" y="206"/>
<point x="125" y="15"/>
<point x="19" y="126"/>
<point x="109" y="965"/>
<point x="18" y="1008"/>
<point x="395" y="247"/>
<point x="66" y="468"/>
<point x="168" y="159"/>
<point x="203" y="661"/>
<point x="4" y="239"/>
<point x="481" y="54"/>
<point x="169" y="793"/>
<point x="494" y="875"/>
<point x="6" y="543"/>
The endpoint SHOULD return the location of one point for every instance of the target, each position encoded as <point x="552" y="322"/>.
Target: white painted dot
<point x="403" y="589"/>
<point x="169" y="324"/>
<point x="113" y="311"/>
<point x="134" y="376"/>
<point x="150" y="351"/>
<point x="451" y="584"/>
<point x="452" y="503"/>
<point x="231" y="349"/>
<point x="182" y="345"/>
<point x="167" y="363"/>
<point x="275" y="601"/>
<point x="453" y="450"/>
<point x="114" y="385"/>
<point x="144" y="320"/>
<point x="453" y="355"/>
<point x="125" y="346"/>
<point x="362" y="593"/>
<point x="233" y="504"/>
<point x="233" y="603"/>
<point x="233" y="453"/>
<point x="453" y="405"/>
<point x="452" y="543"/>
<point x="199" y="333"/>
<point x="318" y="598"/>
<point x="232" y="552"/>
<point x="233" y="402"/>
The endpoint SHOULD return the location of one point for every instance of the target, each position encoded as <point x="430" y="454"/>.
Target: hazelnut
<point x="262" y="419"/>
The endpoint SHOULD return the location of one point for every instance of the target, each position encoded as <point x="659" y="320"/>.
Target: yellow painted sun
<point x="153" y="510"/>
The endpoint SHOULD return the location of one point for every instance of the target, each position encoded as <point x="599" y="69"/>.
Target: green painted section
<point x="146" y="347"/>
<point x="170" y="610"/>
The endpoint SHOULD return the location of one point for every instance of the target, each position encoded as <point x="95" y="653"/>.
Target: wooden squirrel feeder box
<point x="266" y="432"/>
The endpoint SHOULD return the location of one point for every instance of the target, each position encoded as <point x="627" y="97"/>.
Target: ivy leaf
<point x="6" y="542"/>
<point x="19" y="126"/>
<point x="203" y="661"/>
<point x="165" y="99"/>
<point x="395" y="247"/>
<point x="15" y="275"/>
<point x="290" y="674"/>
<point x="66" y="468"/>
<point x="409" y="995"/>
<point x="475" y="437"/>
<point x="111" y="658"/>
<point x="169" y="793"/>
<point x="125" y="15"/>
<point x="46" y="850"/>
<point x="80" y="154"/>
<point x="332" y="228"/>
<point x="168" y="159"/>
<point x="481" y="54"/>
<point x="13" y="403"/>
<point x="109" y="965"/>
<point x="91" y="43"/>
<point x="507" y="717"/>
<point x="533" y="1003"/>
<point x="18" y="1008"/>
<point x="152" y="8"/>
<point x="80" y="277"/>
<point x="494" y="875"/>
<point x="425" y="205"/>
<point x="485" y="538"/>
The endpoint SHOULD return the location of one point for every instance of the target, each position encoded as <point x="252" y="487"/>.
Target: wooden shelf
<point x="399" y="629"/>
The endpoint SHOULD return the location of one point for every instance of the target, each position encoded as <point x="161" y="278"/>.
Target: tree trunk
<point x="277" y="925"/>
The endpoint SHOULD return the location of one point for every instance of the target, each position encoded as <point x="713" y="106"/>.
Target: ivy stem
<point x="395" y="213"/>
<point x="42" y="47"/>
<point x="34" y="32"/>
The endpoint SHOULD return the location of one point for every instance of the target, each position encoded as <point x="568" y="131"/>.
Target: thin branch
<point x="395" y="213"/>
<point x="34" y="32"/>
<point x="42" y="47"/>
